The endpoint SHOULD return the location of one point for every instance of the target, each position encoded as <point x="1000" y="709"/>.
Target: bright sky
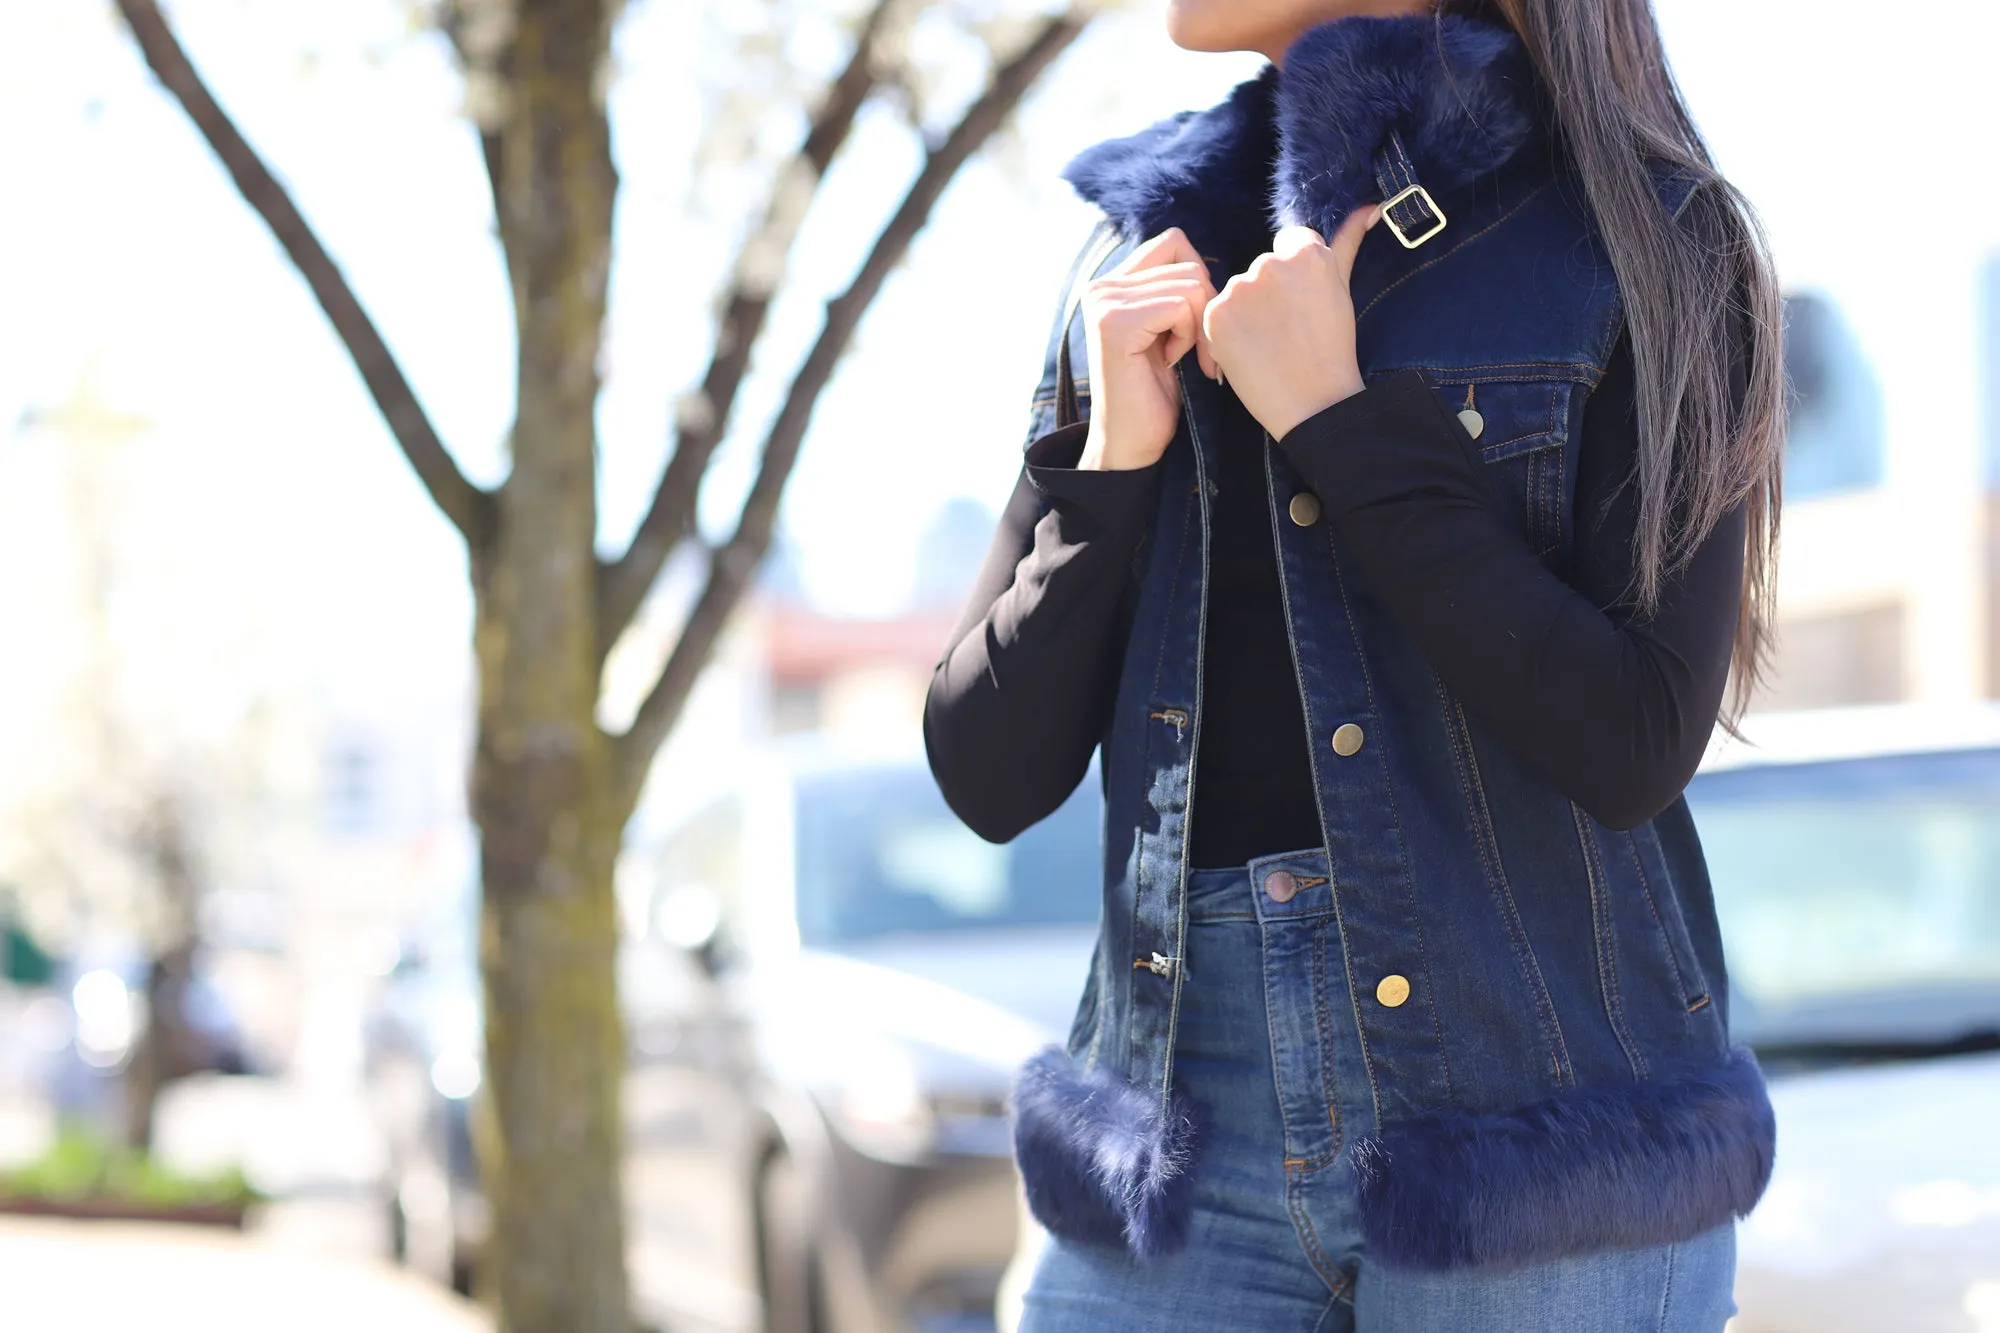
<point x="271" y="506"/>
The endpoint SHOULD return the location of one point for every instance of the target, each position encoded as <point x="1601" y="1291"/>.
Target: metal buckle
<point x="1389" y="217"/>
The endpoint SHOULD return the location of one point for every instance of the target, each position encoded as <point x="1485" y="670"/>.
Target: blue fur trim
<point x="1597" y="1169"/>
<point x="1458" y="90"/>
<point x="1104" y="1162"/>
<point x="1300" y="146"/>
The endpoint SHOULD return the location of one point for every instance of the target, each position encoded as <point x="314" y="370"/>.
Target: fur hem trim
<point x="1590" y="1170"/>
<point x="1104" y="1162"/>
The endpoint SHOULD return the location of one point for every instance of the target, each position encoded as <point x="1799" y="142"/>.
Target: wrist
<point x="1103" y="453"/>
<point x="1344" y="387"/>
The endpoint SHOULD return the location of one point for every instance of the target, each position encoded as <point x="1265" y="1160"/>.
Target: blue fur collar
<point x="1299" y="146"/>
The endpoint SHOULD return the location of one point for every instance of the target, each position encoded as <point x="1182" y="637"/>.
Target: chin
<point x="1214" y="25"/>
<point x="1268" y="26"/>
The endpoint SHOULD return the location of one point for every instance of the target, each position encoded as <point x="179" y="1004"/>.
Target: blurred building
<point x="1889" y="583"/>
<point x="866" y="676"/>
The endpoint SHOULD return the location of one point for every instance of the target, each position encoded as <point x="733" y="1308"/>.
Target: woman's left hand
<point x="1283" y="330"/>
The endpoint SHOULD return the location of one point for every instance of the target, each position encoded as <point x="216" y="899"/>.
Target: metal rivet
<point x="1280" y="885"/>
<point x="1304" y="509"/>
<point x="1392" y="990"/>
<point x="1347" y="740"/>
<point x="1472" y="421"/>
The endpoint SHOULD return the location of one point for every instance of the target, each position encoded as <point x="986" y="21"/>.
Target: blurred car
<point x="1855" y="860"/>
<point x="828" y="982"/>
<point x="98" y="1015"/>
<point x="422" y="1055"/>
<point x="1855" y="856"/>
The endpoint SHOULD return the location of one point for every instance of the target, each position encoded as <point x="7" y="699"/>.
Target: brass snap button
<point x="1392" y="990"/>
<point x="1280" y="886"/>
<point x="1347" y="740"/>
<point x="1304" y="509"/>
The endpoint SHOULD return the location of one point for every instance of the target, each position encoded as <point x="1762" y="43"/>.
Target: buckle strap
<point x="1407" y="206"/>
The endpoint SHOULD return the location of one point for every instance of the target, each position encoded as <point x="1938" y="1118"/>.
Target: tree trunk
<point x="542" y="785"/>
<point x="550" y="791"/>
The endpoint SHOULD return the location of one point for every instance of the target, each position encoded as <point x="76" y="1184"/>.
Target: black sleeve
<point x="1615" y="709"/>
<point x="1021" y="697"/>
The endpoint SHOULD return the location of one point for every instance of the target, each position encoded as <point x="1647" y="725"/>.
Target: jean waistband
<point x="1281" y="884"/>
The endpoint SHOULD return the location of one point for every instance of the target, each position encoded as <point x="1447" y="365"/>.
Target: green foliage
<point x="82" y="1165"/>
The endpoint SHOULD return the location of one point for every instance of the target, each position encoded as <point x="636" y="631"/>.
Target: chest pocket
<point x="1520" y="428"/>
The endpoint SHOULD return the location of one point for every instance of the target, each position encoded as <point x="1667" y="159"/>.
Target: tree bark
<point x="541" y="782"/>
<point x="550" y="791"/>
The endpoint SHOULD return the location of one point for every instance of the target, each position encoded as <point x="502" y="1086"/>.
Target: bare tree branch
<point x="466" y="505"/>
<point x="483" y="58"/>
<point x="702" y="423"/>
<point x="733" y="563"/>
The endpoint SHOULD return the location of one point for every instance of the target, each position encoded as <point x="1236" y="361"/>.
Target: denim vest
<point x="1541" y="999"/>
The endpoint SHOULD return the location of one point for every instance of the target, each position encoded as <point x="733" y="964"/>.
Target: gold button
<point x="1304" y="509"/>
<point x="1393" y="990"/>
<point x="1472" y="421"/>
<point x="1347" y="740"/>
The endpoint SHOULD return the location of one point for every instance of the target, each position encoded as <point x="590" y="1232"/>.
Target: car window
<point x="879" y="853"/>
<point x="1871" y="885"/>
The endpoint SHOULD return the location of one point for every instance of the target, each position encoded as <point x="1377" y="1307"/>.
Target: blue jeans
<point x="1267" y="1043"/>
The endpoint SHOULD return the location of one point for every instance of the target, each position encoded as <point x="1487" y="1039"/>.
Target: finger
<point x="1195" y="272"/>
<point x="1169" y="317"/>
<point x="1113" y="294"/>
<point x="1293" y="239"/>
<point x="1346" y="241"/>
<point x="1170" y="247"/>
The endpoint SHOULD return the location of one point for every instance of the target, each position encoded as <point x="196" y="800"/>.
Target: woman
<point x="1397" y="573"/>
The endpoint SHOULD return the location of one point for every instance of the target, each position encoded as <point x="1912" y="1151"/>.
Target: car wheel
<point x="790" y="1276"/>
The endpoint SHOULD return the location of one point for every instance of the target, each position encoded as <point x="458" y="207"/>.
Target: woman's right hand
<point x="1140" y="319"/>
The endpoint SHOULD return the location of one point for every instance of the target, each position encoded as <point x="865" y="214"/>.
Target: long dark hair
<point x="1699" y="294"/>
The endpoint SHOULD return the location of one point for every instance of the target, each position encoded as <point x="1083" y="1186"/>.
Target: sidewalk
<point x="83" y="1277"/>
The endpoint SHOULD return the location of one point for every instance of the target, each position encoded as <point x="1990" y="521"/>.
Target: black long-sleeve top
<point x="1613" y="708"/>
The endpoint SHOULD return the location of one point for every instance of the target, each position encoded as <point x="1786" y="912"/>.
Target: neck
<point x="1278" y="45"/>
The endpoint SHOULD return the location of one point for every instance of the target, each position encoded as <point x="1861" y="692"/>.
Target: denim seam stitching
<point x="1402" y="856"/>
<point x="1667" y="1289"/>
<point x="1602" y="928"/>
<point x="1439" y="259"/>
<point x="1490" y="453"/>
<point x="1688" y="996"/>
<point x="1329" y="1080"/>
<point x="1531" y="372"/>
<point x="1308" y="1236"/>
<point x="1473" y="788"/>
<point x="1139" y="877"/>
<point x="1558" y="500"/>
<point x="1313" y="757"/>
<point x="1271" y="1037"/>
<point x="1178" y="982"/>
<point x="1340" y="918"/>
